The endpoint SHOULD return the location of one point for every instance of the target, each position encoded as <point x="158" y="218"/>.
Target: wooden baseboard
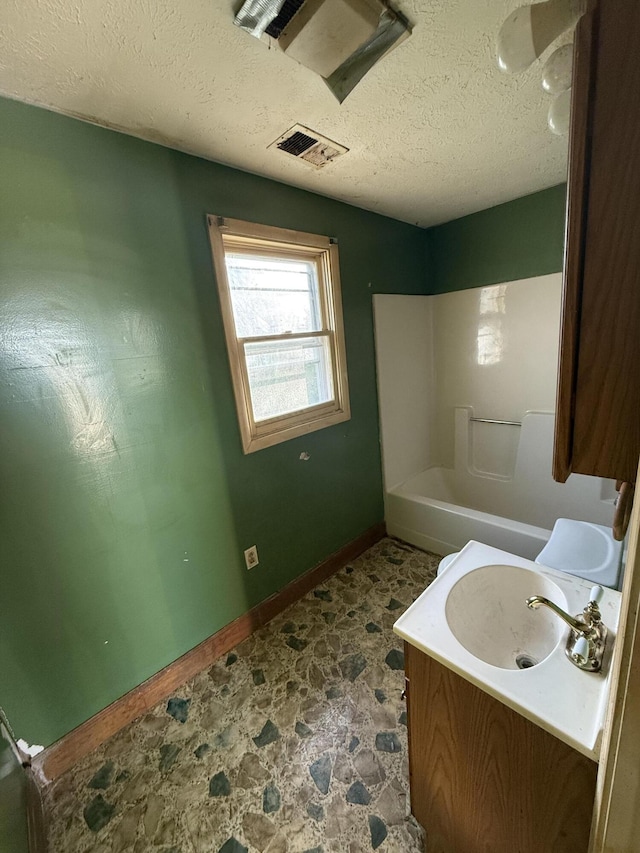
<point x="70" y="749"/>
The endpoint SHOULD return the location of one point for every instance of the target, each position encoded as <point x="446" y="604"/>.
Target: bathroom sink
<point x="487" y="613"/>
<point x="473" y="619"/>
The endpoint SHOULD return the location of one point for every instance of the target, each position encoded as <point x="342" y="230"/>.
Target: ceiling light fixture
<point x="529" y="31"/>
<point x="524" y="37"/>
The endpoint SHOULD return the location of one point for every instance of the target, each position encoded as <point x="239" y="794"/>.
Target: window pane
<point x="285" y="376"/>
<point x="273" y="296"/>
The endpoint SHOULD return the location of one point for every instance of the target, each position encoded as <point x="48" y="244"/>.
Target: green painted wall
<point x="126" y="499"/>
<point x="519" y="239"/>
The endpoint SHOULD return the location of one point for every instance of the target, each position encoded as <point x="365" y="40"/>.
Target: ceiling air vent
<point x="297" y="144"/>
<point x="307" y="145"/>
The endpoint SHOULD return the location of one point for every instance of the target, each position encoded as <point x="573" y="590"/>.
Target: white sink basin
<point x="487" y="613"/>
<point x="473" y="619"/>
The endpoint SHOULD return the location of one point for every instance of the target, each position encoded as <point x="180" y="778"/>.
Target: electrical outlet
<point x="251" y="557"/>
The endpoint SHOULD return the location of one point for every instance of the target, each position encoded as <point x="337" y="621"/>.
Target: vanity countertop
<point x="556" y="695"/>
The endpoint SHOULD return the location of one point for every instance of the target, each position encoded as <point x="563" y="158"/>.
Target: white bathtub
<point x="441" y="509"/>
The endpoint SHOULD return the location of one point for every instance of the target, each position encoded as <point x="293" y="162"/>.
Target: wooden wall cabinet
<point x="598" y="407"/>
<point x="483" y="779"/>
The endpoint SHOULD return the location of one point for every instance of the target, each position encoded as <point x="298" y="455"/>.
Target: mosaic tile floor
<point x="295" y="742"/>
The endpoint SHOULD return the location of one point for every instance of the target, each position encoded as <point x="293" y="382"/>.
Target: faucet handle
<point x="580" y="651"/>
<point x="591" y="612"/>
<point x="595" y="596"/>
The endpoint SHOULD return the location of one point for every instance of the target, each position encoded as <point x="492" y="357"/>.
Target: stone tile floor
<point x="294" y="742"/>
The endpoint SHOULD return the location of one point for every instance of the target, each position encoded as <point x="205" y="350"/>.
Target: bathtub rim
<point x="535" y="537"/>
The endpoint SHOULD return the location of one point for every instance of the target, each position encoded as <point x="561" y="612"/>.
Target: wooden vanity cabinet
<point x="483" y="779"/>
<point x="598" y="407"/>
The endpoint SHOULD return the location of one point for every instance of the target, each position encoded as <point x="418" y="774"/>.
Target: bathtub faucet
<point x="586" y="643"/>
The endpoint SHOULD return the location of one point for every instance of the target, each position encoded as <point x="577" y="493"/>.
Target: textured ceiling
<point x="435" y="130"/>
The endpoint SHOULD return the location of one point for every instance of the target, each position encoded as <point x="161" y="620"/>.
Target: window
<point x="280" y="297"/>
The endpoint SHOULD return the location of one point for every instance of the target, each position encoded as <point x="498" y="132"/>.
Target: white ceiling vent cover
<point x="307" y="145"/>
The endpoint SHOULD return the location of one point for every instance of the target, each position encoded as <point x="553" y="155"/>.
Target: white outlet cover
<point x="251" y="557"/>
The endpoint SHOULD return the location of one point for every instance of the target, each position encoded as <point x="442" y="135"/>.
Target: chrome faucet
<point x="586" y="643"/>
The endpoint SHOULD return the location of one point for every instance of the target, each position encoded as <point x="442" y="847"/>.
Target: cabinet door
<point x="483" y="779"/>
<point x="598" y="411"/>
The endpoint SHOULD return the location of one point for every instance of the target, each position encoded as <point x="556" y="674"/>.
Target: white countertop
<point x="556" y="695"/>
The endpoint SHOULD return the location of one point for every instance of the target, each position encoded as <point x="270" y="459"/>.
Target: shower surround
<point x="466" y="385"/>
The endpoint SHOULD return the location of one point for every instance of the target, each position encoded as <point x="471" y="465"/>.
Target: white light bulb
<point x="556" y="74"/>
<point x="515" y="42"/>
<point x="560" y="113"/>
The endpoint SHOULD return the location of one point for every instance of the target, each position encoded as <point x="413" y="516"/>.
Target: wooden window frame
<point x="237" y="235"/>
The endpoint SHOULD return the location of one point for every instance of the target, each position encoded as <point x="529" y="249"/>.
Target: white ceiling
<point x="435" y="130"/>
